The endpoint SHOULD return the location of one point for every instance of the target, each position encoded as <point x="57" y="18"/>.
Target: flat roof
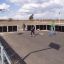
<point x="28" y="22"/>
<point x="25" y="45"/>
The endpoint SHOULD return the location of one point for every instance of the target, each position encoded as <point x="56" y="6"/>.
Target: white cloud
<point x="60" y="2"/>
<point x="54" y="14"/>
<point x="4" y="6"/>
<point x="27" y="8"/>
<point x="27" y="1"/>
<point x="41" y="8"/>
<point x="19" y="1"/>
<point x="14" y="1"/>
<point x="3" y="17"/>
<point x="23" y="16"/>
<point x="46" y="4"/>
<point x="23" y="10"/>
<point x="31" y="5"/>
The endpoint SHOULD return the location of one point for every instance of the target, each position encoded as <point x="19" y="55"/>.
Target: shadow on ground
<point x="20" y="33"/>
<point x="51" y="46"/>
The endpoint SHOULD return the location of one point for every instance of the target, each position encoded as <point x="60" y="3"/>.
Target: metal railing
<point x="4" y="55"/>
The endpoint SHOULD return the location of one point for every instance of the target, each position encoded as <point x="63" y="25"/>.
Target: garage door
<point x="12" y="28"/>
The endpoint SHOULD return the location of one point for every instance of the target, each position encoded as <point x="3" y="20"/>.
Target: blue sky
<point x="22" y="9"/>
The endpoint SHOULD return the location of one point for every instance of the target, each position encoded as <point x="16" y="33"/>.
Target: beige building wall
<point x="19" y="23"/>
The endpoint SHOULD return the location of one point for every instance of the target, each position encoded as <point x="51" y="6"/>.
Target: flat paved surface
<point x="24" y="44"/>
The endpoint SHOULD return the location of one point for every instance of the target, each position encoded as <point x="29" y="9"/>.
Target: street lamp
<point x="59" y="17"/>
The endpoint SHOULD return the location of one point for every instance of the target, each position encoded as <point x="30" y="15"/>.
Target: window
<point x="10" y="29"/>
<point x="14" y="28"/>
<point x="4" y="28"/>
<point x="29" y="27"/>
<point x="0" y="28"/>
<point x="58" y="28"/>
<point x="48" y="27"/>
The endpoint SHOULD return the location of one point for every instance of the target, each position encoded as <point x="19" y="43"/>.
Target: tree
<point x="31" y="17"/>
<point x="10" y="19"/>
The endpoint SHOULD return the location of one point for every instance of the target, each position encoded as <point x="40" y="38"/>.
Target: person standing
<point x="24" y="26"/>
<point x="33" y="30"/>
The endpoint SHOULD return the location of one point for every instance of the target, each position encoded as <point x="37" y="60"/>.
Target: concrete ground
<point x="0" y="61"/>
<point x="25" y="45"/>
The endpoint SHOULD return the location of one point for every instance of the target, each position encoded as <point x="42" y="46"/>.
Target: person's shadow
<point x="51" y="46"/>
